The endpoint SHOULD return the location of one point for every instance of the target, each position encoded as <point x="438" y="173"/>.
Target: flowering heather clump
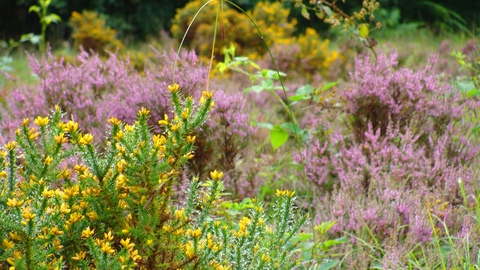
<point x="92" y="90"/>
<point x="148" y="91"/>
<point x="381" y="95"/>
<point x="396" y="174"/>
<point x="227" y="134"/>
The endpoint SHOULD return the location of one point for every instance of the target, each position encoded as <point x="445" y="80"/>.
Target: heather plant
<point x="92" y="90"/>
<point x="392" y="176"/>
<point x="90" y="33"/>
<point x="68" y="204"/>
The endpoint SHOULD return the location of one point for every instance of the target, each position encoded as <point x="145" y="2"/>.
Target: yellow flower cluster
<point x="90" y="32"/>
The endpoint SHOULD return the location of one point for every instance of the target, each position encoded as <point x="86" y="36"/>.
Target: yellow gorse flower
<point x="208" y="94"/>
<point x="70" y="126"/>
<point x="126" y="244"/>
<point x="79" y="256"/>
<point x="7" y="244"/>
<point x="11" y="145"/>
<point x="25" y="122"/>
<point x="60" y="139"/>
<point x="143" y="112"/>
<point x="87" y="232"/>
<point x="14" y="203"/>
<point x="85" y="139"/>
<point x="191" y="139"/>
<point x="114" y="121"/>
<point x="216" y="176"/>
<point x="106" y="248"/>
<point x="27" y="215"/>
<point x="173" y="88"/>
<point x="41" y="121"/>
<point x="284" y="193"/>
<point x="163" y="122"/>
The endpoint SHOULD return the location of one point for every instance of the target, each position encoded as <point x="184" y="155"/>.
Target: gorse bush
<point x="305" y="55"/>
<point x="234" y="28"/>
<point x="92" y="90"/>
<point x="90" y="32"/>
<point x="67" y="204"/>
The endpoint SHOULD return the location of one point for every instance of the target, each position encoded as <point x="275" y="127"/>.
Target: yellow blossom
<point x="25" y="122"/>
<point x="56" y="231"/>
<point x="208" y="94"/>
<point x="108" y="236"/>
<point x="284" y="193"/>
<point x="265" y="258"/>
<point x="173" y="88"/>
<point x="27" y="215"/>
<point x="135" y="257"/>
<point x="60" y="139"/>
<point x="185" y="113"/>
<point x="189" y="249"/>
<point x="216" y="176"/>
<point x="14" y="236"/>
<point x="126" y="244"/>
<point x="85" y="139"/>
<point x="179" y="213"/>
<point x="92" y="215"/>
<point x="143" y="112"/>
<point x="189" y="155"/>
<point x="149" y="242"/>
<point x="119" y="135"/>
<point x="48" y="160"/>
<point x="163" y="122"/>
<point x="71" y="192"/>
<point x="191" y="139"/>
<point x="129" y="128"/>
<point x="70" y="126"/>
<point x="106" y="248"/>
<point x="7" y="244"/>
<point x="87" y="232"/>
<point x="3" y="153"/>
<point x="74" y="217"/>
<point x="41" y="121"/>
<point x="121" y="166"/>
<point x="64" y="208"/>
<point x="79" y="256"/>
<point x="114" y="121"/>
<point x="11" y="145"/>
<point x="176" y="126"/>
<point x="14" y="203"/>
<point x="32" y="135"/>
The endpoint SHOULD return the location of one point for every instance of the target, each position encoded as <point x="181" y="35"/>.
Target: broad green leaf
<point x="328" y="86"/>
<point x="265" y="125"/>
<point x="473" y="93"/>
<point x="34" y="8"/>
<point x="363" y="30"/>
<point x="327" y="10"/>
<point x="278" y="137"/>
<point x="255" y="88"/>
<point x="53" y="18"/>
<point x="327" y="244"/>
<point x="320" y="14"/>
<point x="267" y="84"/>
<point x="305" y="90"/>
<point x="305" y="12"/>
<point x="328" y="265"/>
<point x="221" y="67"/>
<point x="325" y="227"/>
